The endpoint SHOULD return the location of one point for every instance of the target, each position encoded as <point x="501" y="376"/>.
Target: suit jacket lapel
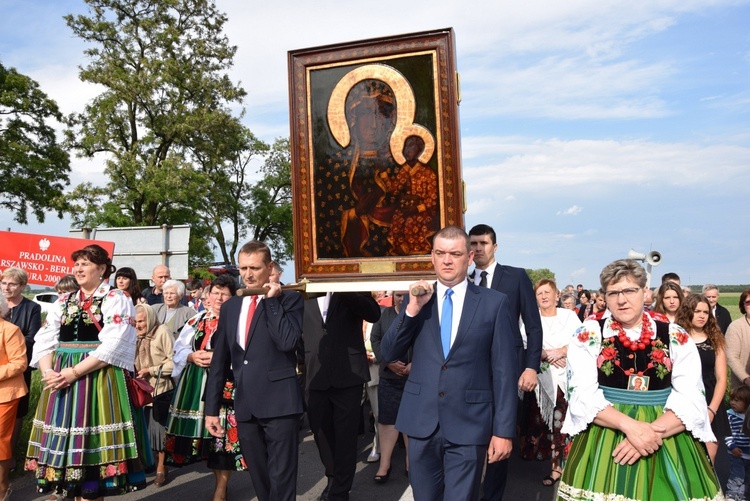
<point x="497" y="276"/>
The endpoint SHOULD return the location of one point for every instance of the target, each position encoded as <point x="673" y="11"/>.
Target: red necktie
<point x="250" y="313"/>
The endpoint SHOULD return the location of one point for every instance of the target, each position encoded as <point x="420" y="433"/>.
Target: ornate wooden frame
<point x="420" y="70"/>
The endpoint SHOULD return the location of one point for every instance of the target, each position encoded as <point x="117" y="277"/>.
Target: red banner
<point x="45" y="258"/>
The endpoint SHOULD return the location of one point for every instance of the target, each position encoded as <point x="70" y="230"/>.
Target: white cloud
<point x="573" y="210"/>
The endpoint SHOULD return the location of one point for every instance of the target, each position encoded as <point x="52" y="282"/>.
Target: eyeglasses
<point x="628" y="293"/>
<point x="11" y="285"/>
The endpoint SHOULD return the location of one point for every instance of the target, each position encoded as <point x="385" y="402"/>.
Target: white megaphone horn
<point x="653" y="258"/>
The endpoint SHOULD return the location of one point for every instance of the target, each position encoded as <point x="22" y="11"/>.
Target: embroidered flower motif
<point x="583" y="335"/>
<point x="681" y="337"/>
<point x="116" y="319"/>
<point x="110" y="470"/>
<point x="31" y="465"/>
<point x="122" y="468"/>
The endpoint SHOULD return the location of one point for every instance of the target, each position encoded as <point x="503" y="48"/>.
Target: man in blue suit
<point x="514" y="283"/>
<point x="256" y="340"/>
<point x="459" y="403"/>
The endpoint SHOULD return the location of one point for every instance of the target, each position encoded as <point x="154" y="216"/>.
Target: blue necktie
<point x="446" y="322"/>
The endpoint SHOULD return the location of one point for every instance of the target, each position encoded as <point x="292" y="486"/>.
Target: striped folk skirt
<point x="83" y="438"/>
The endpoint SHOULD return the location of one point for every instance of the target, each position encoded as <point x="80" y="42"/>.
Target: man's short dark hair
<point x="254" y="247"/>
<point x="483" y="229"/>
<point x="670" y="276"/>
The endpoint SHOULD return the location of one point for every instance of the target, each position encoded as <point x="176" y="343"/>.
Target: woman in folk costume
<point x="187" y="440"/>
<point x="632" y="444"/>
<point x="84" y="434"/>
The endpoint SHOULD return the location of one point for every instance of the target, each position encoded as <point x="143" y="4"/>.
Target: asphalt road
<point x="195" y="483"/>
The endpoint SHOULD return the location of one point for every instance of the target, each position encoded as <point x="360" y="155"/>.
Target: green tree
<point x="537" y="274"/>
<point x="34" y="168"/>
<point x="167" y="101"/>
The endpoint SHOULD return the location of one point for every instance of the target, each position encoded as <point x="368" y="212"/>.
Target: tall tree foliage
<point x="34" y="168"/>
<point x="164" y="119"/>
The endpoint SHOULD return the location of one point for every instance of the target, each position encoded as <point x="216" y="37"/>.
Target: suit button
<point x="441" y="394"/>
<point x="444" y="368"/>
<point x="245" y="362"/>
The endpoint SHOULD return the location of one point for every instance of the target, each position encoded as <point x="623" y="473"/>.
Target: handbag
<point x="140" y="391"/>
<point x="162" y="401"/>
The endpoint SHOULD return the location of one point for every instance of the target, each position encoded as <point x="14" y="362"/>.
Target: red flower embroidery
<point x="583" y="336"/>
<point x="122" y="468"/>
<point x="682" y="337"/>
<point x="658" y="356"/>
<point x="31" y="465"/>
<point x="232" y="435"/>
<point x="117" y="319"/>
<point x="110" y="471"/>
<point x="609" y="353"/>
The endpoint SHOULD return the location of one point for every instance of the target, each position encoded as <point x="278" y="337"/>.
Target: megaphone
<point x="653" y="258"/>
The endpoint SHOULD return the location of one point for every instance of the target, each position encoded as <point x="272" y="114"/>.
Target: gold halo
<point x="405" y="110"/>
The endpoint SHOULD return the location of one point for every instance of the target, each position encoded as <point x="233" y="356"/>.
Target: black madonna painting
<point x="375" y="157"/>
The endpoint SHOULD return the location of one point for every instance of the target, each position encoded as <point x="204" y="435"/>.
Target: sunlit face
<point x="171" y="299"/>
<point x="700" y="315"/>
<point x="600" y="304"/>
<point x="546" y="297"/>
<point x="253" y="270"/>
<point x="160" y="275"/>
<point x="88" y="275"/>
<point x="122" y="283"/>
<point x="484" y="250"/>
<point x="569" y="303"/>
<point x="206" y="297"/>
<point x="671" y="301"/>
<point x="219" y="295"/>
<point x="11" y="288"/>
<point x="451" y="259"/>
<point x="713" y="296"/>
<point x="626" y="308"/>
<point x="140" y="322"/>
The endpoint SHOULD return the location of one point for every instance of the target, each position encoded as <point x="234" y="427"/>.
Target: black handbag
<point x="162" y="401"/>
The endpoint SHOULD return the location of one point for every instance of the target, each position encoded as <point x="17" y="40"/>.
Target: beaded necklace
<point x="646" y="334"/>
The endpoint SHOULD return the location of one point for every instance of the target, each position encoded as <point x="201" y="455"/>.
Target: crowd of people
<point x="622" y="389"/>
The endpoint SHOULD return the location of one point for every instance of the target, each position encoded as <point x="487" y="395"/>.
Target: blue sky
<point x="588" y="127"/>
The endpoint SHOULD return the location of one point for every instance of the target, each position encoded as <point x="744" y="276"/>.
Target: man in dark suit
<point x="514" y="283"/>
<point x="336" y="369"/>
<point x="256" y="338"/>
<point x="459" y="403"/>
<point x="722" y="315"/>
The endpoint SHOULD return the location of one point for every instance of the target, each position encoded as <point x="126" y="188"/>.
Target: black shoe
<point x="381" y="479"/>
<point x="324" y="494"/>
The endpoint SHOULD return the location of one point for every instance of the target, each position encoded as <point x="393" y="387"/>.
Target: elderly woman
<point x="171" y="313"/>
<point x="540" y="431"/>
<point x="27" y="315"/>
<point x="83" y="350"/>
<point x="126" y="280"/>
<point x="738" y="344"/>
<point x="13" y="388"/>
<point x="668" y="300"/>
<point x="153" y="362"/>
<point x="635" y="444"/>
<point x="187" y="440"/>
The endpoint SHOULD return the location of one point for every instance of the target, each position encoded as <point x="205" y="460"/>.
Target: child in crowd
<point x="738" y="446"/>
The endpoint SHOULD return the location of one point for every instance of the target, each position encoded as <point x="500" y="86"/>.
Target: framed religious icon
<point x="375" y="155"/>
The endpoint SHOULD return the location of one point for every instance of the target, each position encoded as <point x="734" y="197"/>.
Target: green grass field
<point x="731" y="301"/>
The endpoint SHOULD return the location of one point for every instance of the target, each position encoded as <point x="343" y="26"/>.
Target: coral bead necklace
<point x="639" y="344"/>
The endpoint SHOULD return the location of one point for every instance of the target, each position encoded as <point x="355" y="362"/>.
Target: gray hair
<point x="4" y="308"/>
<point x="622" y="268"/>
<point x="709" y="287"/>
<point x="178" y="286"/>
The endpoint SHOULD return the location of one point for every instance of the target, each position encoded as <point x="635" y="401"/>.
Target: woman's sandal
<point x="381" y="479"/>
<point x="550" y="480"/>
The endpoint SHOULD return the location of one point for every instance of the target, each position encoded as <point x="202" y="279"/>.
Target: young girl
<point x="695" y="317"/>
<point x="738" y="446"/>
